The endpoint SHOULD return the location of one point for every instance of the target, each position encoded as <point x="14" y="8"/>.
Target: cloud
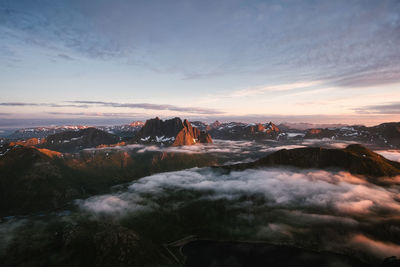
<point x="289" y="87"/>
<point x="225" y="152"/>
<point x="326" y="142"/>
<point x="91" y="104"/>
<point x="98" y="114"/>
<point x="149" y="106"/>
<point x="218" y="146"/>
<point x="109" y="204"/>
<point x="268" y="39"/>
<point x="369" y="78"/>
<point x="117" y="148"/>
<point x="53" y="105"/>
<point x="233" y="151"/>
<point x="64" y="56"/>
<point x="390" y="108"/>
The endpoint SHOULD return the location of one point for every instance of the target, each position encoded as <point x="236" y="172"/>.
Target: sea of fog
<point x="335" y="210"/>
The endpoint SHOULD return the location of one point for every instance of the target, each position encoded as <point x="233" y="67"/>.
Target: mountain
<point x="386" y="134"/>
<point x="30" y="181"/>
<point x="28" y="142"/>
<point x="124" y="131"/>
<point x="42" y="132"/>
<point x="215" y="124"/>
<point x="138" y="124"/>
<point x="302" y="126"/>
<point x="202" y="126"/>
<point x="356" y="159"/>
<point x="383" y="135"/>
<point x="171" y="132"/>
<point x="243" y="131"/>
<point x="74" y="141"/>
<point x="37" y="179"/>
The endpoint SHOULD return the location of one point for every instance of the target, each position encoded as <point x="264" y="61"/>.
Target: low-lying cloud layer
<point x="271" y="204"/>
<point x="232" y="147"/>
<point x="232" y="152"/>
<point x="229" y="152"/>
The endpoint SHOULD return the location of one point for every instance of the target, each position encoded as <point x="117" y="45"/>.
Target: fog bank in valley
<point x="337" y="210"/>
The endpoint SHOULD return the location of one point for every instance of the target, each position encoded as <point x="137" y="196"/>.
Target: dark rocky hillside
<point x="74" y="141"/>
<point x="35" y="179"/>
<point x="207" y="253"/>
<point x="354" y="158"/>
<point x="386" y="134"/>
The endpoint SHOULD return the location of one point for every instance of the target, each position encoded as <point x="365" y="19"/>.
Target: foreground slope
<point x="37" y="179"/>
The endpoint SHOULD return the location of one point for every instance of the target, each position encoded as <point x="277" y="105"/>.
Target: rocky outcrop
<point x="171" y="132"/>
<point x="272" y="128"/>
<point x="136" y="124"/>
<point x="355" y="158"/>
<point x="215" y="124"/>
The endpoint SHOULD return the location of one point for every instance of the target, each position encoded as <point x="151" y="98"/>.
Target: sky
<point x="109" y="61"/>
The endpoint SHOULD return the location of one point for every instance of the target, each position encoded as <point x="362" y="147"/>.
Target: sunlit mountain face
<point x="199" y="133"/>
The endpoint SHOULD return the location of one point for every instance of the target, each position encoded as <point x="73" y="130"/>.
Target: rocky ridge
<point x="172" y="132"/>
<point x="355" y="159"/>
<point x="74" y="141"/>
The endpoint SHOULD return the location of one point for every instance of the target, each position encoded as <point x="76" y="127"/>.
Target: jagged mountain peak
<point x="173" y="132"/>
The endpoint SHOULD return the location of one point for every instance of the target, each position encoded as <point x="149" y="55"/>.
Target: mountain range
<point x="163" y="132"/>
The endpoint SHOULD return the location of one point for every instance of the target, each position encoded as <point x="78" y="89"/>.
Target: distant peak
<point x="136" y="123"/>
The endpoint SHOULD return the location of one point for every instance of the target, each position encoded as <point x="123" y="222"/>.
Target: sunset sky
<point x="111" y="61"/>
